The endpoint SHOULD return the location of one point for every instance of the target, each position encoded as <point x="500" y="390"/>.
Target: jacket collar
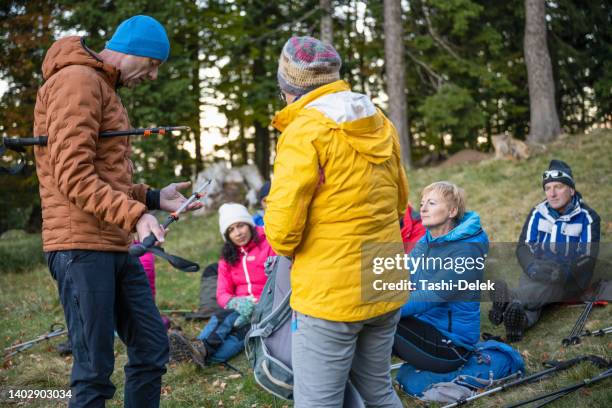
<point x="468" y="227"/>
<point x="284" y="117"/>
<point x="574" y="208"/>
<point x="111" y="74"/>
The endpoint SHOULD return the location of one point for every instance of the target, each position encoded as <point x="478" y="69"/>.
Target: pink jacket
<point x="246" y="277"/>
<point x="148" y="264"/>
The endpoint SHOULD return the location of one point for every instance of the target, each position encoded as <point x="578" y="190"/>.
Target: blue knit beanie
<point x="143" y="36"/>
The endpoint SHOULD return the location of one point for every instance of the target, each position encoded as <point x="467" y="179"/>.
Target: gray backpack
<point x="268" y="342"/>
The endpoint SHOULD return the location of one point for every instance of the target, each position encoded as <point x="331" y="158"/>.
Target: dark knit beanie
<point x="558" y="171"/>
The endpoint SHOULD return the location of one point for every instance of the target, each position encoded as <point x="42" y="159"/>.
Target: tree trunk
<point x="262" y="132"/>
<point x="327" y="29"/>
<point x="395" y="70"/>
<point x="544" y="124"/>
<point x="195" y="126"/>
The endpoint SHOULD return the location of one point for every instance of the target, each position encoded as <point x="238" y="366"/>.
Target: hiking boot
<point x="182" y="349"/>
<point x="64" y="349"/>
<point x="500" y="297"/>
<point x="515" y="321"/>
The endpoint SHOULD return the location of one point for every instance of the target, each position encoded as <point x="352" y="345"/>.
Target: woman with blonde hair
<point x="440" y="323"/>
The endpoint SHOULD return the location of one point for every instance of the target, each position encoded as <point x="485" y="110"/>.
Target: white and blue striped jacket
<point x="565" y="238"/>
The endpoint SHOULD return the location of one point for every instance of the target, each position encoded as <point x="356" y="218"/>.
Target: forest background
<point x="463" y="65"/>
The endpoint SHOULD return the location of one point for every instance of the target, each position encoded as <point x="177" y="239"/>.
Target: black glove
<point x="545" y="271"/>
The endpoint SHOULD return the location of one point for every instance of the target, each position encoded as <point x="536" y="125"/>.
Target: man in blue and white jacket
<point x="557" y="251"/>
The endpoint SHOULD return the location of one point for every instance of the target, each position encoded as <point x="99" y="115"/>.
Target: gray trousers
<point x="534" y="295"/>
<point x="326" y="354"/>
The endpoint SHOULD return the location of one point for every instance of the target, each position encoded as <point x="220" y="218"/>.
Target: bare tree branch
<point x="436" y="37"/>
<point x="428" y="69"/>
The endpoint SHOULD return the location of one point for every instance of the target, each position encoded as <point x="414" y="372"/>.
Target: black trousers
<point x="102" y="292"/>
<point x="421" y="345"/>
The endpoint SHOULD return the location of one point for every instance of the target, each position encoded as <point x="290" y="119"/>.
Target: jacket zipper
<point x="246" y="271"/>
<point x="450" y="321"/>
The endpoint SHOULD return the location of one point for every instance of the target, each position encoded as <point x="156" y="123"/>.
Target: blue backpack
<point x="489" y="363"/>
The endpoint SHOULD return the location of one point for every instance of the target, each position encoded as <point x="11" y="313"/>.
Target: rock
<point x="465" y="156"/>
<point x="509" y="148"/>
<point x="238" y="185"/>
<point x="13" y="235"/>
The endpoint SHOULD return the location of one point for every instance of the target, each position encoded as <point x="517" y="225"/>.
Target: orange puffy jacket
<point x="87" y="195"/>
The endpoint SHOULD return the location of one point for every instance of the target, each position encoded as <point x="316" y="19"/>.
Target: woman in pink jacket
<point x="240" y="283"/>
<point x="241" y="267"/>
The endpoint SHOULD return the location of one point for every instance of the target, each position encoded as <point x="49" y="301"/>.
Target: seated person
<point x="261" y="199"/>
<point x="555" y="252"/>
<point x="411" y="228"/>
<point x="208" y="282"/>
<point x="241" y="280"/>
<point x="440" y="328"/>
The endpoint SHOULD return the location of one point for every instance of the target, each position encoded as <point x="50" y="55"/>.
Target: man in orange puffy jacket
<point x="90" y="207"/>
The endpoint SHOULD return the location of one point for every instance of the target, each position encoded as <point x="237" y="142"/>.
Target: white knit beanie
<point x="231" y="213"/>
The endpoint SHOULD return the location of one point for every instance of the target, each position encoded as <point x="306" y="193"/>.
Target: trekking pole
<point x="19" y="144"/>
<point x="175" y="311"/>
<point x="556" y="367"/>
<point x="597" y="333"/>
<point x="148" y="244"/>
<point x="56" y="329"/>
<point x="555" y="395"/>
<point x="574" y="336"/>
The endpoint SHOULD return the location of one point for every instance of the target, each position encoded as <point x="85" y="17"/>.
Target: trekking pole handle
<point x="139" y="250"/>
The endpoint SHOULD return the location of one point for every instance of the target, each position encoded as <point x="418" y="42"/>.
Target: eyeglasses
<point x="554" y="174"/>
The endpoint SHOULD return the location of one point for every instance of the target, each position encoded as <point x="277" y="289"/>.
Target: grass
<point x="502" y="192"/>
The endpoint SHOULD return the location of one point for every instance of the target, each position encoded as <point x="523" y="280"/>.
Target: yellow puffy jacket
<point x="338" y="183"/>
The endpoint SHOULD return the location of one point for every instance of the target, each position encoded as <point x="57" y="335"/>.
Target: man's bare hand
<point x="170" y="199"/>
<point x="147" y="225"/>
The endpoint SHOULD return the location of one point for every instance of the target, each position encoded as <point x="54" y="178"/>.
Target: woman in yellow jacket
<point x="338" y="185"/>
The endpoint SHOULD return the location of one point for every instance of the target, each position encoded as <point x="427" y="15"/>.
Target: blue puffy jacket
<point x="455" y="313"/>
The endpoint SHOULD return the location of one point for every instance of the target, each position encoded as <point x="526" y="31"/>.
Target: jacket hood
<point x="352" y="114"/>
<point x="73" y="51"/>
<point x="469" y="228"/>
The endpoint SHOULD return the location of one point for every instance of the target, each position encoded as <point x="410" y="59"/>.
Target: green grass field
<point x="502" y="192"/>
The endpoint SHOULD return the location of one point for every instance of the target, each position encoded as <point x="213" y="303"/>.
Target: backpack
<point x="268" y="342"/>
<point x="491" y="362"/>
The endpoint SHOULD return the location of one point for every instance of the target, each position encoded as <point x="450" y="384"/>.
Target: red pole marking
<point x="147" y="132"/>
<point x="162" y="131"/>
